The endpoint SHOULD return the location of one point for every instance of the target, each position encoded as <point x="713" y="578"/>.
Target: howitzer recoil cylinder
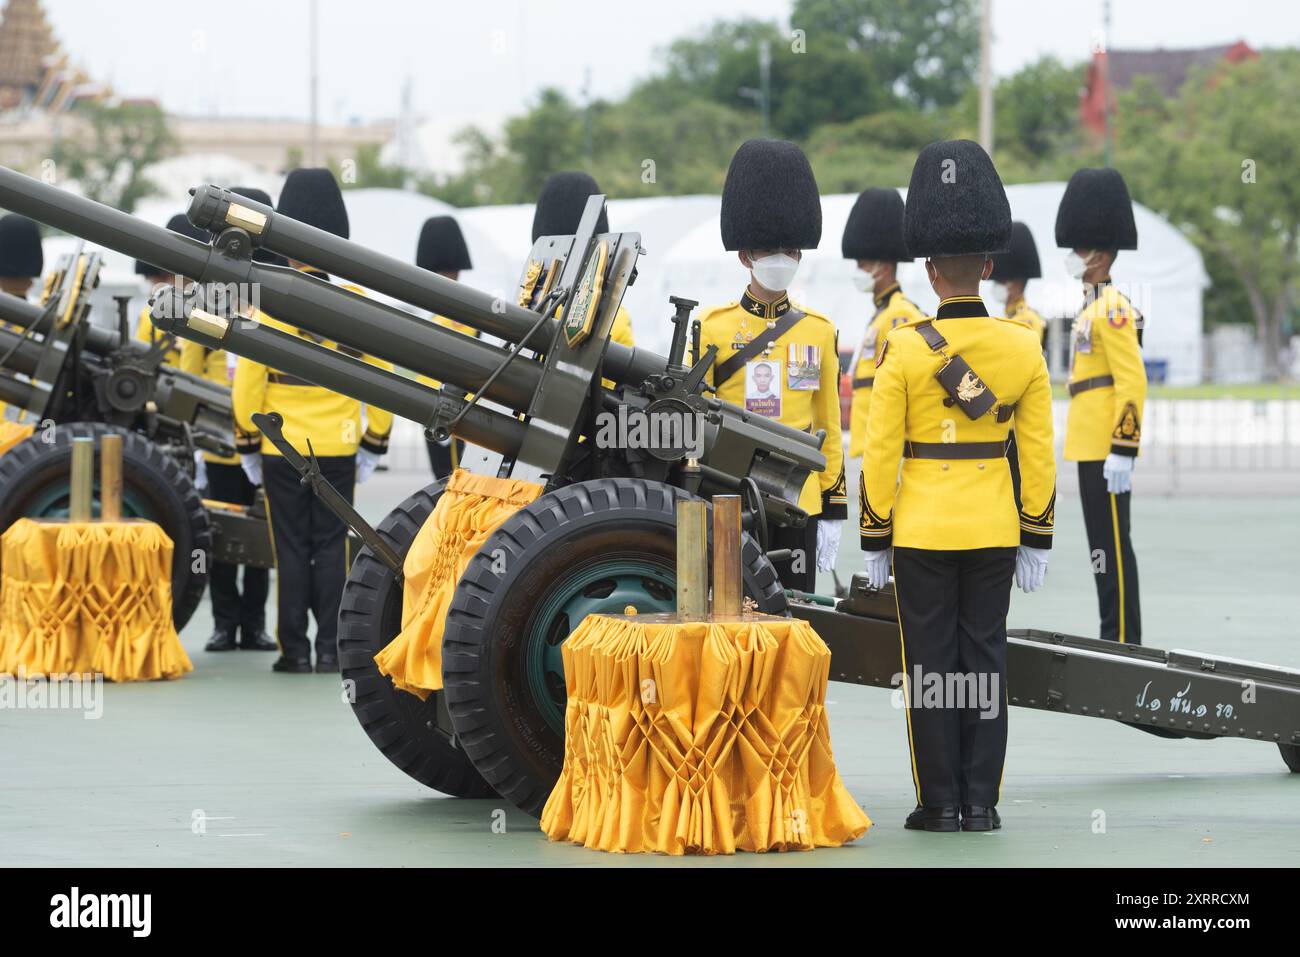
<point x="367" y="383"/>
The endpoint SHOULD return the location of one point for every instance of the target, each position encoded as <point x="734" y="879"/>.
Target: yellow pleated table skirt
<point x="88" y="597"/>
<point x="11" y="433"/>
<point x="471" y="508"/>
<point x="698" y="738"/>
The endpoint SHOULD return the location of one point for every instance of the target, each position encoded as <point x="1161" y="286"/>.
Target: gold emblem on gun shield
<point x="580" y="315"/>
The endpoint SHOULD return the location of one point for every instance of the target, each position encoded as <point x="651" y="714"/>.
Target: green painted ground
<point x="276" y="771"/>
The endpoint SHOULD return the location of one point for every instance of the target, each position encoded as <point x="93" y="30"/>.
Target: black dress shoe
<point x="294" y="666"/>
<point x="257" y="641"/>
<point x="221" y="641"/>
<point x="937" y="818"/>
<point x="978" y="817"/>
<point x="327" y="664"/>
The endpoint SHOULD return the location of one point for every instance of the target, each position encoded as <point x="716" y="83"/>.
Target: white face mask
<point x="1076" y="265"/>
<point x="997" y="295"/>
<point x="775" y="272"/>
<point x="864" y="281"/>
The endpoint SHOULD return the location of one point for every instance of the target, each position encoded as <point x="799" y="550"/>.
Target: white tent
<point x="684" y="257"/>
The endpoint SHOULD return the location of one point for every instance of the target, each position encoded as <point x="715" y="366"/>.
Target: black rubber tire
<point x="401" y="726"/>
<point x="494" y="714"/>
<point x="1291" y="756"/>
<point x="148" y="474"/>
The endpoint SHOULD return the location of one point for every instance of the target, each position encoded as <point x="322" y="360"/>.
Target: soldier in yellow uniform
<point x="1108" y="387"/>
<point x="154" y="277"/>
<point x="1012" y="271"/>
<point x="947" y="392"/>
<point x="441" y="249"/>
<point x="311" y="550"/>
<point x="873" y="236"/>
<point x="558" y="212"/>
<point x="776" y="358"/>
<point x="21" y="262"/>
<point x="239" y="616"/>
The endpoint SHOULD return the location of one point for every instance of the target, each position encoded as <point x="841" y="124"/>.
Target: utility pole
<point x="763" y="95"/>
<point x="1105" y="83"/>
<point x="586" y="116"/>
<point x="986" y="76"/>
<point x="313" y="138"/>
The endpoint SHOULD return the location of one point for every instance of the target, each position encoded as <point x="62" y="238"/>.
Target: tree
<point x="1036" y="111"/>
<point x="926" y="51"/>
<point x="109" y="155"/>
<point x="1219" y="162"/>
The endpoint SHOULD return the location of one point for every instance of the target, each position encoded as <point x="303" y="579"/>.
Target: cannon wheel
<point x="591" y="547"/>
<point x="370" y="615"/>
<point x="34" y="483"/>
<point x="1291" y="755"/>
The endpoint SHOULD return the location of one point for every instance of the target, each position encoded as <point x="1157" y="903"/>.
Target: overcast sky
<point x="485" y="59"/>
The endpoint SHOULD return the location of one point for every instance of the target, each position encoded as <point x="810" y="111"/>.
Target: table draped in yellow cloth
<point x="698" y="738"/>
<point x="79" y="597"/>
<point x="471" y="508"/>
<point x="11" y="433"/>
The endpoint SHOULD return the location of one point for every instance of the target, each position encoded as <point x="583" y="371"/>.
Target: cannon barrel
<point x="291" y="296"/>
<point x="214" y="209"/>
<point x="738" y="444"/>
<point x="357" y="378"/>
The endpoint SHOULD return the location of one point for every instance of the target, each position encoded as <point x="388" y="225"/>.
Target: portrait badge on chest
<point x="763" y="387"/>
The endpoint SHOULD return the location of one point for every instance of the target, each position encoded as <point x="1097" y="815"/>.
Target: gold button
<point x="981" y="465"/>
<point x="945" y="466"/>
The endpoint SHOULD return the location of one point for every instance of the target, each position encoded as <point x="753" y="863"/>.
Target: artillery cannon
<point x="76" y="378"/>
<point x="601" y="536"/>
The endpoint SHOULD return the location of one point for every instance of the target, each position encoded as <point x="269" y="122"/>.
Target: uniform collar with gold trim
<point x="961" y="307"/>
<point x="765" y="310"/>
<point x="882" y="297"/>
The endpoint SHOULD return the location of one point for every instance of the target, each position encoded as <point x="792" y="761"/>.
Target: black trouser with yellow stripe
<point x="1114" y="566"/>
<point x="311" y="552"/>
<point x="444" y="459"/>
<point x="952" y="612"/>
<point x="231" y="610"/>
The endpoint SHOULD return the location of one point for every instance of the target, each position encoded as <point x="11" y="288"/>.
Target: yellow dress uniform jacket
<point x="797" y="399"/>
<point x="1020" y="312"/>
<point x="949" y="496"/>
<point x="1108" y="381"/>
<point x="892" y="309"/>
<point x="215" y="365"/>
<point x="332" y="421"/>
<point x="146" y="333"/>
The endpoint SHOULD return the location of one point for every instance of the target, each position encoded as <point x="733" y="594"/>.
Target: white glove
<point x="878" y="568"/>
<point x="828" y="542"/>
<point x="1118" y="470"/>
<point x="1031" y="568"/>
<point x="366" y="463"/>
<point x="200" y="472"/>
<point x="251" y="463"/>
